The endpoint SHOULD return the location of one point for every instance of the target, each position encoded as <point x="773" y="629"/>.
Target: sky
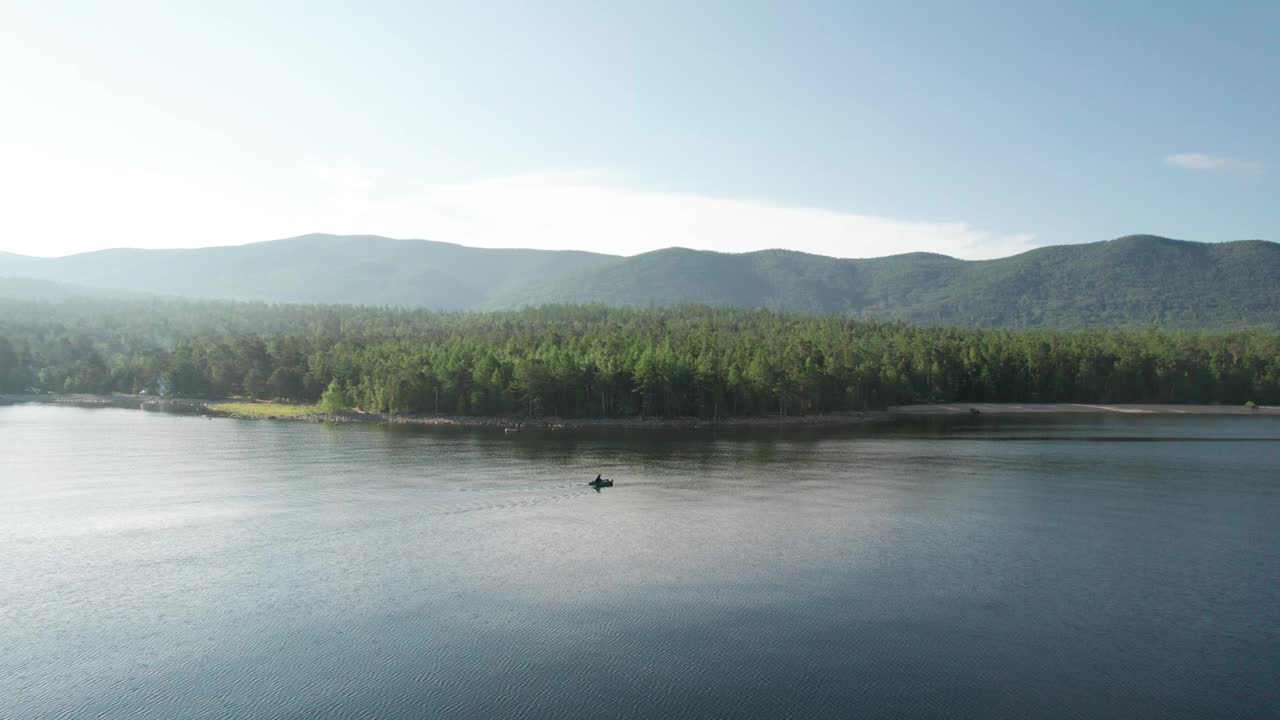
<point x="974" y="129"/>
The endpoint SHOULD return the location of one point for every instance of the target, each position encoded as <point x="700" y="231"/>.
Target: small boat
<point x="602" y="482"/>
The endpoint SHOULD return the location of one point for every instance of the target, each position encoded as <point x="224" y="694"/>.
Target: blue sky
<point x="853" y="129"/>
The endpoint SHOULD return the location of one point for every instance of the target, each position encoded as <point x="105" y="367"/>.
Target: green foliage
<point x="591" y="361"/>
<point x="11" y="375"/>
<point x="1133" y="282"/>
<point x="334" y="399"/>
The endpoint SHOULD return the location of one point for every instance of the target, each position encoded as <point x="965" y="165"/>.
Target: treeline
<point x="599" y="362"/>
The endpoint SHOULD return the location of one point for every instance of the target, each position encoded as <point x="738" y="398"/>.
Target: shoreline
<point x="951" y="409"/>
<point x="515" y="424"/>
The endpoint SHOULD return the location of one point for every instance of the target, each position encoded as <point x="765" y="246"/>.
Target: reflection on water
<point x="177" y="567"/>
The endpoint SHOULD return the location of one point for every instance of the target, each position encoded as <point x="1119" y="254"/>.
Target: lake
<point x="171" y="567"/>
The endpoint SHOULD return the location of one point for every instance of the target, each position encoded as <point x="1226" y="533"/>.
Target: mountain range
<point x="1138" y="280"/>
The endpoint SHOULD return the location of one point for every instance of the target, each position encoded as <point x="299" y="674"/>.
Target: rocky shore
<point x="130" y="402"/>
<point x="516" y="424"/>
<point x="942" y="409"/>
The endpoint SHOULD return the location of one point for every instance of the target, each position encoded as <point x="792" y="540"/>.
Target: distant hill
<point x="25" y="288"/>
<point x="362" y="270"/>
<point x="1132" y="281"/>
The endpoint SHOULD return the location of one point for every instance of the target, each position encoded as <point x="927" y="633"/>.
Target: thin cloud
<point x="57" y="204"/>
<point x="582" y="211"/>
<point x="1212" y="163"/>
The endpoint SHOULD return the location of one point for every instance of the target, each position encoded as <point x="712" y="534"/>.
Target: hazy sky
<point x="975" y="129"/>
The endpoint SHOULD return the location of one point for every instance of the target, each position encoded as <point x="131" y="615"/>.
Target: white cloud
<point x="584" y="212"/>
<point x="1201" y="161"/>
<point x="58" y="205"/>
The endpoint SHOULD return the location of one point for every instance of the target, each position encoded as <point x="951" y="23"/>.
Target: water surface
<point x="158" y="566"/>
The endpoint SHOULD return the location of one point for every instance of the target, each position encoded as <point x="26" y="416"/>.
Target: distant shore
<point x="283" y="411"/>
<point x="795" y="421"/>
<point x="512" y="424"/>
<point x="135" y="402"/>
<point x="1077" y="409"/>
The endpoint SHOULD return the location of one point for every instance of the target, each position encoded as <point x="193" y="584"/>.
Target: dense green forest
<point x="592" y="361"/>
<point x="1132" y="282"/>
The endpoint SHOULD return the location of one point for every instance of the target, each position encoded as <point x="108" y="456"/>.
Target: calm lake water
<point x="168" y="567"/>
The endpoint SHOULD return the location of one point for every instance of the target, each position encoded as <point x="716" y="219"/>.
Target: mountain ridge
<point x="1135" y="280"/>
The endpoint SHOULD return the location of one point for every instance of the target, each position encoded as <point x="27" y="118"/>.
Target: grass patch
<point x="262" y="409"/>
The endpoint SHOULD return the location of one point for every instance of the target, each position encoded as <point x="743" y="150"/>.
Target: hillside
<point x="25" y="288"/>
<point x="1132" y="281"/>
<point x="360" y="270"/>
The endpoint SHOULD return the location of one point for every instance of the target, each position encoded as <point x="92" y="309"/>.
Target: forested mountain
<point x="358" y="270"/>
<point x="1133" y="281"/>
<point x="606" y="362"/>
<point x="25" y="288"/>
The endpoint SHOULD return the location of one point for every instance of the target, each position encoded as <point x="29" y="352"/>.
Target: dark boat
<point x="602" y="482"/>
